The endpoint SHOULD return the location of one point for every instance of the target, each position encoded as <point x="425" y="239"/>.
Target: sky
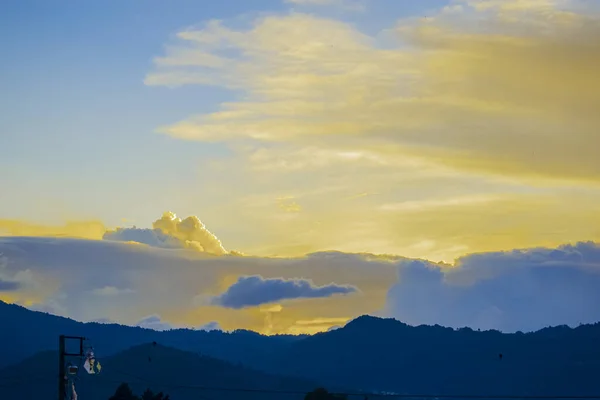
<point x="288" y="165"/>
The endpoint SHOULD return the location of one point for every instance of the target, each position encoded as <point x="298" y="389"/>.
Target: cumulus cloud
<point x="503" y="87"/>
<point x="255" y="290"/>
<point x="509" y="291"/>
<point x="172" y="232"/>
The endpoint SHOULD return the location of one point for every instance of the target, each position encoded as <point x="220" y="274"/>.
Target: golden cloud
<point x="503" y="87"/>
<point x="79" y="229"/>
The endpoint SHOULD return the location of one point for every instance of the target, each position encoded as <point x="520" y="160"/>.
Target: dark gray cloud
<point x="509" y="291"/>
<point x="255" y="290"/>
<point x="9" y="286"/>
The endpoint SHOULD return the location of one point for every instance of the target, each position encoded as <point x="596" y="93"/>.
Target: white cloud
<point x="172" y="232"/>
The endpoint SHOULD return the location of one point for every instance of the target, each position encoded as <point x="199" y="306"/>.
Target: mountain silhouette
<point x="388" y="355"/>
<point x="368" y="354"/>
<point x="25" y="332"/>
<point x="181" y="374"/>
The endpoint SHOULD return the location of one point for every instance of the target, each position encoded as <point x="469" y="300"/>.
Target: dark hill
<point x="369" y="353"/>
<point x="25" y="333"/>
<point x="388" y="355"/>
<point x="181" y="374"/>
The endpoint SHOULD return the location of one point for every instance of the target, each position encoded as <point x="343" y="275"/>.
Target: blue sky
<point x="73" y="95"/>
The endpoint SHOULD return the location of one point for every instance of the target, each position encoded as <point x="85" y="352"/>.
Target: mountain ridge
<point x="368" y="354"/>
<point x="182" y="374"/>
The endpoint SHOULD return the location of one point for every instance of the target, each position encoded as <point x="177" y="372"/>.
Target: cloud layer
<point x="91" y="280"/>
<point x="514" y="290"/>
<point x="509" y="291"/>
<point x="255" y="290"/>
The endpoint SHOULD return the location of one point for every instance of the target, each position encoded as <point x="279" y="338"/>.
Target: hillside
<point x="385" y="354"/>
<point x="178" y="373"/>
<point x="29" y="332"/>
<point x="369" y="353"/>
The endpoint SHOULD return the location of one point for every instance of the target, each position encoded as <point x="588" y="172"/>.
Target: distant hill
<point x="369" y="353"/>
<point x="24" y="333"/>
<point x="387" y="355"/>
<point x="178" y="373"/>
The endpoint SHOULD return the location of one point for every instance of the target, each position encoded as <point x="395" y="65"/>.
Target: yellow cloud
<point x="503" y="87"/>
<point x="316" y="325"/>
<point x="82" y="229"/>
<point x="425" y="205"/>
<point x="432" y="220"/>
<point x="288" y="204"/>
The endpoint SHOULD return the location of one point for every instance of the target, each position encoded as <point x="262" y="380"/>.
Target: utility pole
<point x="62" y="354"/>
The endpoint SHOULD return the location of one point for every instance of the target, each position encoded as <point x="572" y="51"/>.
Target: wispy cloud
<point x="424" y="205"/>
<point x="484" y="86"/>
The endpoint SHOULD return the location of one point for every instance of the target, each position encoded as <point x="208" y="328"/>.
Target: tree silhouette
<point x="124" y="392"/>
<point x="149" y="395"/>
<point x="323" y="394"/>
